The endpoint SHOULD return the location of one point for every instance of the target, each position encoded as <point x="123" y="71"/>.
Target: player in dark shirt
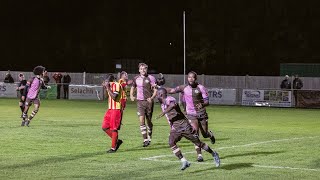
<point x="20" y="88"/>
<point x="180" y="127"/>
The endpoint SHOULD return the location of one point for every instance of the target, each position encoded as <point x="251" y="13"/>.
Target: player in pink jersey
<point x="196" y="99"/>
<point x="145" y="86"/>
<point x="31" y="93"/>
<point x="180" y="127"/>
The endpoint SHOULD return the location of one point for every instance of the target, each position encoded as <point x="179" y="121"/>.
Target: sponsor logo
<point x="252" y="94"/>
<point x="3" y="88"/>
<point x="82" y="90"/>
<point x="196" y="91"/>
<point x="147" y="81"/>
<point x="215" y="94"/>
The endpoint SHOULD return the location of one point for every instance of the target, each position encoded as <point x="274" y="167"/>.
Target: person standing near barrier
<point x="31" y="93"/>
<point x="297" y="84"/>
<point x="20" y="88"/>
<point x="196" y="99"/>
<point x="112" y="119"/>
<point x="145" y="85"/>
<point x="8" y="78"/>
<point x="66" y="82"/>
<point x="57" y="77"/>
<point x="286" y="83"/>
<point x="46" y="78"/>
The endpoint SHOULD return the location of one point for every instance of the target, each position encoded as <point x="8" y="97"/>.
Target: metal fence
<point x="242" y="82"/>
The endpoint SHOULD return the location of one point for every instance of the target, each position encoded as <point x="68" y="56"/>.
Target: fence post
<point x="84" y="78"/>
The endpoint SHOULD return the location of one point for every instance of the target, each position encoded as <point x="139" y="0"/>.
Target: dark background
<point x="229" y="37"/>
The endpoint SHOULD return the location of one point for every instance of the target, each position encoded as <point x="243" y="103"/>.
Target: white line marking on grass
<point x="253" y="165"/>
<point x="156" y="158"/>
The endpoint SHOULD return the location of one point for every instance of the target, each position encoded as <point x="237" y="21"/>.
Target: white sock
<point x="183" y="159"/>
<point x="199" y="155"/>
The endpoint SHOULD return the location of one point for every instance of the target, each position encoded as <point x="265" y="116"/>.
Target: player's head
<point x="21" y="76"/>
<point x="39" y="70"/>
<point x="161" y="94"/>
<point x="110" y="78"/>
<point x="286" y="77"/>
<point x="123" y="75"/>
<point x="192" y="78"/>
<point x="143" y="69"/>
<point x="161" y="81"/>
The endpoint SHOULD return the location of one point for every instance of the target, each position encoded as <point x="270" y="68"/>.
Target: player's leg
<point x="143" y="128"/>
<point x="34" y="112"/>
<point x="149" y="119"/>
<point x="27" y="105"/>
<point x="195" y="125"/>
<point x="203" y="126"/>
<point x="173" y="139"/>
<point x="194" y="138"/>
<point x="106" y="123"/>
<point x="115" y="124"/>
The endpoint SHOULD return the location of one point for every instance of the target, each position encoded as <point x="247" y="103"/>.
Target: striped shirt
<point x="116" y="89"/>
<point x="123" y="84"/>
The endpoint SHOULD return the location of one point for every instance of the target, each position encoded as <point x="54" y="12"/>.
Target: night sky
<point x="229" y="37"/>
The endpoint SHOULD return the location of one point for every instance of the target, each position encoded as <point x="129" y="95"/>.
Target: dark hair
<point x="163" y="90"/>
<point x="38" y="70"/>
<point x="194" y="73"/>
<point x="110" y="78"/>
<point x="20" y="75"/>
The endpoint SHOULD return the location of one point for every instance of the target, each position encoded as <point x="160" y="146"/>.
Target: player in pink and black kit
<point x="196" y="99"/>
<point x="146" y="92"/>
<point x="180" y="127"/>
<point x="31" y="93"/>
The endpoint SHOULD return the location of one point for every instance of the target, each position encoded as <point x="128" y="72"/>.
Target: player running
<point x="146" y="92"/>
<point x="196" y="99"/>
<point x="31" y="93"/>
<point x="180" y="127"/>
<point x="112" y="118"/>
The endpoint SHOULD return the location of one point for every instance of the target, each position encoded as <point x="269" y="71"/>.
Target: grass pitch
<point x="65" y="141"/>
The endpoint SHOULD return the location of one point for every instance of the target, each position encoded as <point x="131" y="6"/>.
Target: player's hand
<point x="149" y="100"/>
<point x="22" y="98"/>
<point x="199" y="105"/>
<point x="193" y="130"/>
<point x="132" y="98"/>
<point x="130" y="82"/>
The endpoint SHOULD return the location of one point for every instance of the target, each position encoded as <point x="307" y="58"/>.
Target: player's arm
<point x="153" y="95"/>
<point x="205" y="96"/>
<point x="171" y="106"/>
<point x="131" y="93"/>
<point x="174" y="90"/>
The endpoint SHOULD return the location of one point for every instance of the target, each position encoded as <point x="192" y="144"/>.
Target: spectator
<point x="46" y="78"/>
<point x="286" y="84"/>
<point x="297" y="84"/>
<point x="8" y="78"/>
<point x="66" y="81"/>
<point x="57" y="77"/>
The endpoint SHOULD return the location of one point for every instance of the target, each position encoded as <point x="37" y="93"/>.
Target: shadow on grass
<point x="251" y="154"/>
<point x="51" y="160"/>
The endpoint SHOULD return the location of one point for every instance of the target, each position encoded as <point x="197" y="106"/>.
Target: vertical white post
<point x="184" y="47"/>
<point x="84" y="78"/>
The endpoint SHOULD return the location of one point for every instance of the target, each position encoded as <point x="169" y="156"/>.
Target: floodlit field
<point x="65" y="141"/>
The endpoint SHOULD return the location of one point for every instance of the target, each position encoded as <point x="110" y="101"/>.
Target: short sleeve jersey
<point x="193" y="96"/>
<point x="144" y="85"/>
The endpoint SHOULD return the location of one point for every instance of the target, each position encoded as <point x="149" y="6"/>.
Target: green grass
<point x="65" y="141"/>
